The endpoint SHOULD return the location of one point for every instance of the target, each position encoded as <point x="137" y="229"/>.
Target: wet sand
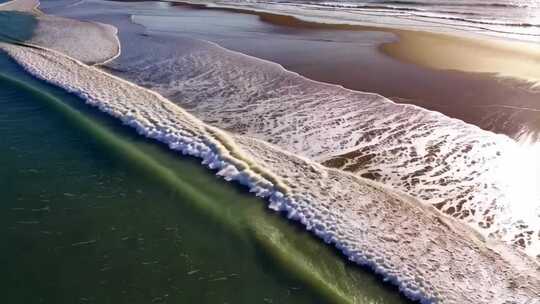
<point x="451" y="75"/>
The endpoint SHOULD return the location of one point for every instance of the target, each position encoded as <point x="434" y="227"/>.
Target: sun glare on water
<point x="518" y="173"/>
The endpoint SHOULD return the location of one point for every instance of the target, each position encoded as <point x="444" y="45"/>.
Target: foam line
<point x="315" y="12"/>
<point x="409" y="244"/>
<point x="464" y="171"/>
<point x="430" y="257"/>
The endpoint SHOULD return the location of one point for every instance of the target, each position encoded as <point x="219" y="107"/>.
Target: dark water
<point x="16" y="25"/>
<point x="92" y="213"/>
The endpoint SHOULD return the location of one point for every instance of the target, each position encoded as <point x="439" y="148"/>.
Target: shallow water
<point x="232" y="91"/>
<point x="352" y="59"/>
<point x="516" y="19"/>
<point x="98" y="89"/>
<point x="95" y="213"/>
<point x="17" y="26"/>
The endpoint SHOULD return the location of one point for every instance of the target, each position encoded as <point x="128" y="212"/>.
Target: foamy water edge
<point x="253" y="164"/>
<point x="207" y="143"/>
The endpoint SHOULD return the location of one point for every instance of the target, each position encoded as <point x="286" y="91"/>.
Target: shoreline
<point x="500" y="104"/>
<point x="486" y="54"/>
<point x="288" y="251"/>
<point x="403" y="176"/>
<point x="42" y="62"/>
<point x="268" y="242"/>
<point x="460" y="237"/>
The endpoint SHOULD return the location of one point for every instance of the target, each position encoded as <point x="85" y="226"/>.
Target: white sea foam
<point x="100" y="46"/>
<point x="95" y="44"/>
<point x="466" y="172"/>
<point x="430" y="257"/>
<point x="511" y="22"/>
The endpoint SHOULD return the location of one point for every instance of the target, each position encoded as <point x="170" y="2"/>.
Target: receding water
<point x="93" y="213"/>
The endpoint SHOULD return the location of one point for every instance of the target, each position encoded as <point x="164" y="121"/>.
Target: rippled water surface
<point x="510" y="18"/>
<point x="92" y="212"/>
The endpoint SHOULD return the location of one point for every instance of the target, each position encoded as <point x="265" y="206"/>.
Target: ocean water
<point x="457" y="167"/>
<point x="16" y="26"/>
<point x="462" y="170"/>
<point x="351" y="58"/>
<point x="519" y="19"/>
<point x="516" y="14"/>
<point x="85" y="198"/>
<point x="336" y="206"/>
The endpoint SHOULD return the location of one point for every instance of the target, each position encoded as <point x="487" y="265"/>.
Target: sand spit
<point x="429" y="256"/>
<point x="505" y="59"/>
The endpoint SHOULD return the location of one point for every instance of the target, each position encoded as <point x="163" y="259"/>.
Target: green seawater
<point x="91" y="212"/>
<point x="16" y="26"/>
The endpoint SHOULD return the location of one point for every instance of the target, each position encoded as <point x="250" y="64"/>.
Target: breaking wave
<point x="468" y="173"/>
<point x="446" y="163"/>
<point x="409" y="244"/>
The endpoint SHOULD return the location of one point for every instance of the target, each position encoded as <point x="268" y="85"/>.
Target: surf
<point x="462" y="170"/>
<point x="339" y="207"/>
<point x="292" y="251"/>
